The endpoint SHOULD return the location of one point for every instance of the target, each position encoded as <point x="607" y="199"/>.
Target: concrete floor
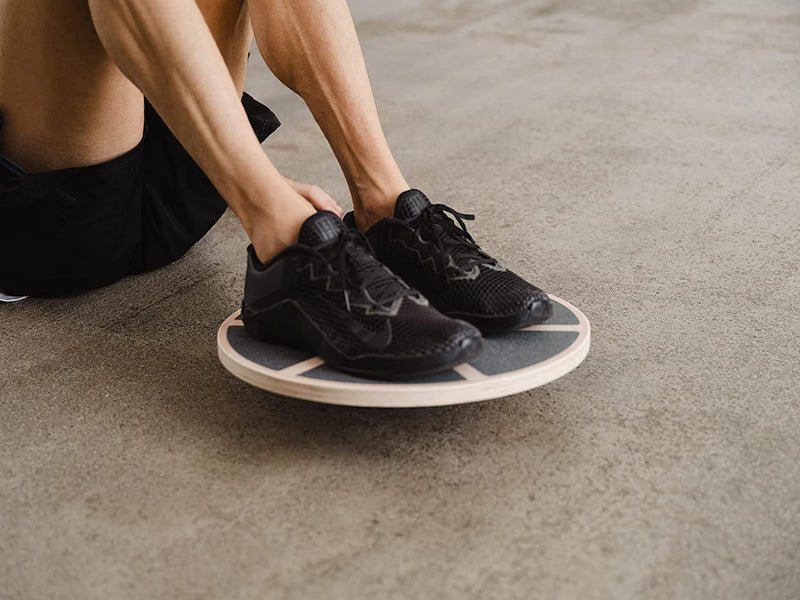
<point x="640" y="159"/>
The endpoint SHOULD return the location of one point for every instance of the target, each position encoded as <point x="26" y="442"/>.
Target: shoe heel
<point x="256" y="330"/>
<point x="278" y="326"/>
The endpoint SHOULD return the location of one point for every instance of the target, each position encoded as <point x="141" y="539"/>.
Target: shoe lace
<point x="433" y="225"/>
<point x="350" y="258"/>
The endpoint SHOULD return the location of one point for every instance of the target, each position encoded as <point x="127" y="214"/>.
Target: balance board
<point x="509" y="364"/>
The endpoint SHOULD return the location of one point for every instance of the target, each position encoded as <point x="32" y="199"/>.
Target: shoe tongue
<point x="410" y="203"/>
<point x="321" y="228"/>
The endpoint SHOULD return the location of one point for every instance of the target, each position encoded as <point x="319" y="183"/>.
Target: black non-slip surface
<point x="501" y="354"/>
<point x="520" y="349"/>
<point x="562" y="316"/>
<point x="271" y="356"/>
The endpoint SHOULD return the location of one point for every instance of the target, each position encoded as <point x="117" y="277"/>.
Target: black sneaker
<point x="328" y="294"/>
<point x="437" y="255"/>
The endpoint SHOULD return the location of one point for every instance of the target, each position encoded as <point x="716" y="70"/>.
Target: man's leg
<point x="87" y="111"/>
<point x="70" y="106"/>
<point x="312" y="47"/>
<point x="229" y="22"/>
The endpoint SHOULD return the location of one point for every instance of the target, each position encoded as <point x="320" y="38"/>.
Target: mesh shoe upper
<point x="429" y="247"/>
<point x="354" y="302"/>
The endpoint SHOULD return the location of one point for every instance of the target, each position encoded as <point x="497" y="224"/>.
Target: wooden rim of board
<point x="475" y="385"/>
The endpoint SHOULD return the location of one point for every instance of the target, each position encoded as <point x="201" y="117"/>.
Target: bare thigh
<point x="64" y="102"/>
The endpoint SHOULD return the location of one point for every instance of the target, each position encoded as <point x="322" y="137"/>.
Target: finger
<point x="316" y="196"/>
<point x="323" y="201"/>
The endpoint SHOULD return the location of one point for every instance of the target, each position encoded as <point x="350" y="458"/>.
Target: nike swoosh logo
<point x="375" y="340"/>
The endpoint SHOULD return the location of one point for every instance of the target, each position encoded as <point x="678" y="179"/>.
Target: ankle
<point x="366" y="219"/>
<point x="376" y="202"/>
<point x="272" y="231"/>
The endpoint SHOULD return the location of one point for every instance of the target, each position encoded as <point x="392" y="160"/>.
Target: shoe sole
<point x="295" y="330"/>
<point x="536" y="312"/>
<point x="403" y="369"/>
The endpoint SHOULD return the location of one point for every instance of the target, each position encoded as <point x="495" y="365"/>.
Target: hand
<point x="316" y="196"/>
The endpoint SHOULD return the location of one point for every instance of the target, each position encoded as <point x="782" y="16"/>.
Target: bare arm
<point x="166" y="49"/>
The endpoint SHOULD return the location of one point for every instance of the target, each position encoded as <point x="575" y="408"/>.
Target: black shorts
<point x="75" y="229"/>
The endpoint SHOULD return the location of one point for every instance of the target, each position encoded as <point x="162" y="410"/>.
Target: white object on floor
<point x="6" y="298"/>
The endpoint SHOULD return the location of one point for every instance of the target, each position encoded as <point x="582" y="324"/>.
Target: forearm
<point x="166" y="49"/>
